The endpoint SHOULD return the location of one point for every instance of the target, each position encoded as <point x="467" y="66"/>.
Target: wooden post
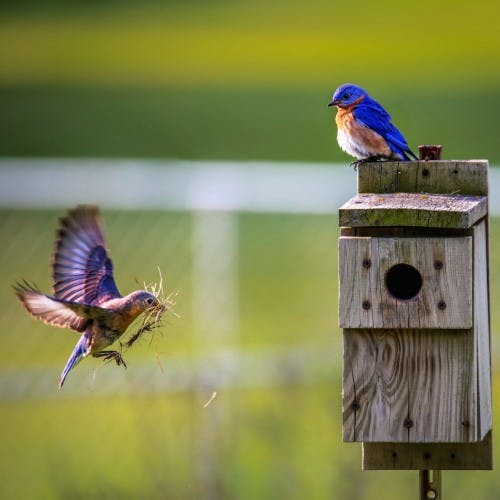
<point x="414" y="308"/>
<point x="430" y="481"/>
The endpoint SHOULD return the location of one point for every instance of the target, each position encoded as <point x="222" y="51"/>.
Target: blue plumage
<point x="365" y="129"/>
<point x="82" y="349"/>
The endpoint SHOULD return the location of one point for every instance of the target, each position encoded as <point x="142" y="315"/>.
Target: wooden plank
<point x="413" y="209"/>
<point x="419" y="456"/>
<point x="409" y="386"/>
<point x="445" y="296"/>
<point x="467" y="177"/>
<point x="482" y="328"/>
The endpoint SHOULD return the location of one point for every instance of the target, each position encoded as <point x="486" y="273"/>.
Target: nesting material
<point x="153" y="319"/>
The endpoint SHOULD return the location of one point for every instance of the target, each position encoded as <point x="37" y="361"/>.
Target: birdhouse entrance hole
<point x="403" y="281"/>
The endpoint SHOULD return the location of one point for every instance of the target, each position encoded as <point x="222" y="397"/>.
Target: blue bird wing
<point x="82" y="271"/>
<point x="59" y="312"/>
<point x="372" y="115"/>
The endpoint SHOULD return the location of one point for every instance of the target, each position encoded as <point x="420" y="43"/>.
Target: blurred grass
<point x="150" y="442"/>
<point x="281" y="441"/>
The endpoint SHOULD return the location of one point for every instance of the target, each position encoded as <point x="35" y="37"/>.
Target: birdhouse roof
<point x="413" y="210"/>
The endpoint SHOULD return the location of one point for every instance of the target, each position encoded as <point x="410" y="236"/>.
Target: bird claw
<point x="107" y="355"/>
<point x="355" y="164"/>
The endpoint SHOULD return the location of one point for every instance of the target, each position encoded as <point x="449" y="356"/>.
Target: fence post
<point x="216" y="324"/>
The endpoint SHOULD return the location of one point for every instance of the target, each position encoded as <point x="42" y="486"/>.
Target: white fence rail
<point x="175" y="185"/>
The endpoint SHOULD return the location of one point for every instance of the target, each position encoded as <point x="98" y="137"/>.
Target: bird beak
<point x="333" y="103"/>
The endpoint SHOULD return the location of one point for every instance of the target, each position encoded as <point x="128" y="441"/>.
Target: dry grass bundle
<point x="153" y="318"/>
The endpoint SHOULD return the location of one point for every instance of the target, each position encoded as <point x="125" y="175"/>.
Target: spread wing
<point x="82" y="269"/>
<point x="371" y="114"/>
<point x="48" y="310"/>
<point x="57" y="312"/>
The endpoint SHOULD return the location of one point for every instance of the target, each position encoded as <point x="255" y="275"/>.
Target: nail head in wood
<point x="408" y="423"/>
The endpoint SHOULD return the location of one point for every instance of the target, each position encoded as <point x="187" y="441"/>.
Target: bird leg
<point x="357" y="163"/>
<point x="107" y="355"/>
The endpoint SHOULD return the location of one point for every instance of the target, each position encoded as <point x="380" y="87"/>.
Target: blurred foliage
<point x="429" y="44"/>
<point x="239" y="79"/>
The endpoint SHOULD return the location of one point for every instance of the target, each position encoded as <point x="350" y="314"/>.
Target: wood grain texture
<point x="466" y="177"/>
<point x="412" y="209"/>
<point x="444" y="300"/>
<point x="418" y="456"/>
<point x="482" y="327"/>
<point x="416" y="382"/>
<point x="409" y="386"/>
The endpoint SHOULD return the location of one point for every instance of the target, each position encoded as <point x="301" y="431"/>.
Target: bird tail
<point x="81" y="350"/>
<point x="412" y="154"/>
<point x="404" y="154"/>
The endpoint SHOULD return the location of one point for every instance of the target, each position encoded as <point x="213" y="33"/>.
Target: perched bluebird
<point x="364" y="127"/>
<point x="85" y="297"/>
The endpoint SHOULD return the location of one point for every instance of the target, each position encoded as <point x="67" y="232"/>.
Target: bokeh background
<point x="230" y="80"/>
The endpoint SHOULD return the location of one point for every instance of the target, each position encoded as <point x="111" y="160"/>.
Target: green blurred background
<point x="221" y="80"/>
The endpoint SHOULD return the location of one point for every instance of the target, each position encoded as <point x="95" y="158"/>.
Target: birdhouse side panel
<point x="409" y="386"/>
<point x="405" y="282"/>
<point x="482" y="326"/>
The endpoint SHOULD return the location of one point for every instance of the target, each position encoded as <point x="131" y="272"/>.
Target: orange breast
<point x="362" y="139"/>
<point x="344" y="119"/>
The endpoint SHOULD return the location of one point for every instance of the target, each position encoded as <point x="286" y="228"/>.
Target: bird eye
<point x="149" y="301"/>
<point x="346" y="96"/>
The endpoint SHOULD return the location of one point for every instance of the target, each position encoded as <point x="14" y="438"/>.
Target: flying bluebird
<point x="364" y="127"/>
<point x="85" y="297"/>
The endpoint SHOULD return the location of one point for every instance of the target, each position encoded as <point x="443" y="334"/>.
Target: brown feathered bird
<point x="85" y="297"/>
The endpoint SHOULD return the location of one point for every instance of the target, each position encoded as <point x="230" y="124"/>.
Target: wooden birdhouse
<point x="414" y="308"/>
